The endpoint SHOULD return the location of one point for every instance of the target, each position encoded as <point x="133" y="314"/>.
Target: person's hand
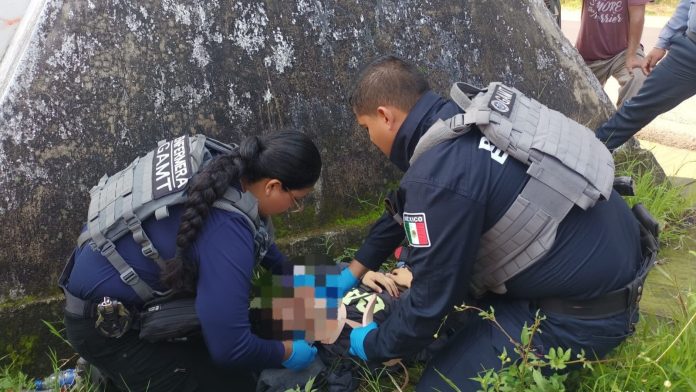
<point x="634" y="61"/>
<point x="377" y="280"/>
<point x="402" y="277"/>
<point x="655" y="55"/>
<point x="357" y="339"/>
<point x="346" y="281"/>
<point x="303" y="355"/>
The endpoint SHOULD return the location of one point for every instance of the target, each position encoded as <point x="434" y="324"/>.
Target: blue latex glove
<point x="303" y="355"/>
<point x="346" y="281"/>
<point x="357" y="339"/>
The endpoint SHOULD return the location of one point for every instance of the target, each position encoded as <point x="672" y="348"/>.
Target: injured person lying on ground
<point x="335" y="370"/>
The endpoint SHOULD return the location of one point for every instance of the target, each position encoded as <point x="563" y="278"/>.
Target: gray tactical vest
<point x="149" y="186"/>
<point x="568" y="166"/>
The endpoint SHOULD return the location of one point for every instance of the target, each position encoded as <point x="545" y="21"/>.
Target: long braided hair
<point x="289" y="156"/>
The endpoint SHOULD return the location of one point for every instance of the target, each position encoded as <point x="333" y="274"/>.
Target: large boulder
<point x="101" y="81"/>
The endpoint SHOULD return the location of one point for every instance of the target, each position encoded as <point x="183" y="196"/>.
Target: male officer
<point x="448" y="198"/>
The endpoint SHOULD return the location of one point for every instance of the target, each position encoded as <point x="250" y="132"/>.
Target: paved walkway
<point x="676" y="162"/>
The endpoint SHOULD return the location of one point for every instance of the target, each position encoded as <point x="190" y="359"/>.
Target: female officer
<point x="211" y="252"/>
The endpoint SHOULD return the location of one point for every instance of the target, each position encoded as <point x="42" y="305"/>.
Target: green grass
<point x="665" y="201"/>
<point x="12" y="378"/>
<point x="659" y="356"/>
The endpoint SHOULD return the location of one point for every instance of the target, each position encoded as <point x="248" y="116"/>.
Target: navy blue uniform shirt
<point x="462" y="187"/>
<point x="224" y="251"/>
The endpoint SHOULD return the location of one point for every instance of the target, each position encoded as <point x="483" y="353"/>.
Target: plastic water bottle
<point x="63" y="378"/>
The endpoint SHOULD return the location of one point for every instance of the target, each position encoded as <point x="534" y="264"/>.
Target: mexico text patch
<point x="416" y="230"/>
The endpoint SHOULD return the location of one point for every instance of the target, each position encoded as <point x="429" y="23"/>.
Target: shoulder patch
<point x="503" y="100"/>
<point x="171" y="167"/>
<point x="416" y="229"/>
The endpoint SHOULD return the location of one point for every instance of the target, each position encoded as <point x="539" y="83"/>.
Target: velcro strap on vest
<point x="461" y="93"/>
<point x="126" y="272"/>
<point x="479" y="117"/>
<point x="246" y="205"/>
<point x="439" y="132"/>
<point x="521" y="237"/>
<point x="162" y="213"/>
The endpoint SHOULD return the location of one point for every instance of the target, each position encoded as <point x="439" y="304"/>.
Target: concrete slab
<point x="676" y="162"/>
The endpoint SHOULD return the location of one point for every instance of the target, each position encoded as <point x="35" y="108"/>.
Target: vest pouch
<point x="649" y="234"/>
<point x="169" y="319"/>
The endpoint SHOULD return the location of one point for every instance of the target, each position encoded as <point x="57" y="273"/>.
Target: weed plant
<point x="12" y="378"/>
<point x="665" y="201"/>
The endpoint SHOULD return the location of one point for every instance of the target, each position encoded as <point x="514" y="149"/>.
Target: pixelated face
<point x="303" y="305"/>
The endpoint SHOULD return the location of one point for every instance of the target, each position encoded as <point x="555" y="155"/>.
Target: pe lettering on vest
<point x="502" y="101"/>
<point x="171" y="167"/>
<point x="416" y="230"/>
<point x="497" y="154"/>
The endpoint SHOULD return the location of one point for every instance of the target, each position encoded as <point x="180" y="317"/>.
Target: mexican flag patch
<point x="416" y="230"/>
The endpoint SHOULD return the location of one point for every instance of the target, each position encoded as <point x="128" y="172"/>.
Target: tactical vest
<point x="148" y="187"/>
<point x="568" y="166"/>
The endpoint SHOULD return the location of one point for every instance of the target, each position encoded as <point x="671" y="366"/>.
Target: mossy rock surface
<point x="25" y="338"/>
<point x="102" y="82"/>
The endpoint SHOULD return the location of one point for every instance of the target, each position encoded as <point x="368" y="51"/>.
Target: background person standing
<point x="609" y="42"/>
<point x="669" y="83"/>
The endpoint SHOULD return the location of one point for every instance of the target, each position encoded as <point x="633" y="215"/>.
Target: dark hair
<point x="288" y="156"/>
<point x="387" y="80"/>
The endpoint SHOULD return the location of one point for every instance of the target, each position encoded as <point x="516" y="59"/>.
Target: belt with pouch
<point x="604" y="306"/>
<point x="111" y="318"/>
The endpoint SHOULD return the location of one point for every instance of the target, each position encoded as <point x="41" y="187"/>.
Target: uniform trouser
<point x="137" y="365"/>
<point x="629" y="84"/>
<point x="479" y="343"/>
<point x="672" y="81"/>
